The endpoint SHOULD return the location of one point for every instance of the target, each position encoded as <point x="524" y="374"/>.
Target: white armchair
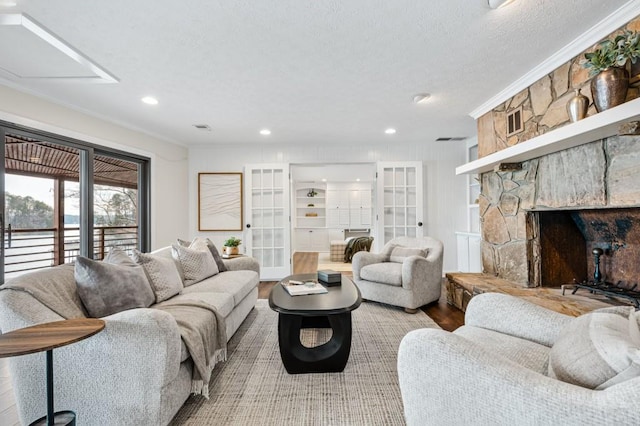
<point x="408" y="272"/>
<point x="493" y="371"/>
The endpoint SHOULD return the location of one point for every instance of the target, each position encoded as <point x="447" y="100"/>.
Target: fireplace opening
<point x="562" y="243"/>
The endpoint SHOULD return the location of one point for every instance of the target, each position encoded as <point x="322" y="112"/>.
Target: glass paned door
<point x="41" y="223"/>
<point x="267" y="217"/>
<point x="400" y="202"/>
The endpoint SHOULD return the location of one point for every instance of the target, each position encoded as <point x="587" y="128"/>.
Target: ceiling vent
<point x="202" y="127"/>
<point x="31" y="51"/>
<point x="453" y="138"/>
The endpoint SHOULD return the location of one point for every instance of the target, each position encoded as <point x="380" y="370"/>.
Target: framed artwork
<point x="220" y="201"/>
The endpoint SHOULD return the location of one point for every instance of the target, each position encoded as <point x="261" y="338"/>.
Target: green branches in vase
<point x="606" y="65"/>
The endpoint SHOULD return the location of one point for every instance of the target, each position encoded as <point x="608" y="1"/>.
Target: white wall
<point x="445" y="193"/>
<point x="169" y="197"/>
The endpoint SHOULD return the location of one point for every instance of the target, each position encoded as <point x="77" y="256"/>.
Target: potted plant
<point x="606" y="65"/>
<point x="230" y="245"/>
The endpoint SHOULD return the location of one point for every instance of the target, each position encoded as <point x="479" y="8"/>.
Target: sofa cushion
<point x="386" y="273"/>
<point x="235" y="283"/>
<point x="162" y="274"/>
<point x="223" y="303"/>
<point x="399" y="254"/>
<point x="598" y="350"/>
<point x="113" y="285"/>
<point x="526" y="353"/>
<point x="212" y="248"/>
<point x="197" y="263"/>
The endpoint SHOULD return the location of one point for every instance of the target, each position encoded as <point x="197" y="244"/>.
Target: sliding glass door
<point x="64" y="198"/>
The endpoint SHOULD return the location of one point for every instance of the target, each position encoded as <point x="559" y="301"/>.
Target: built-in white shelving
<point x="595" y="127"/>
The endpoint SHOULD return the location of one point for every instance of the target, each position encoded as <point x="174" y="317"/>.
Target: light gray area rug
<point x="253" y="388"/>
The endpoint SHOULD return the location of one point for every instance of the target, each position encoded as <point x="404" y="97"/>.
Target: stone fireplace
<point x="540" y="223"/>
<point x="548" y="199"/>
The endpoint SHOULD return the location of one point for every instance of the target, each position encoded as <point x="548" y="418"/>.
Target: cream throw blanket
<point x="203" y="331"/>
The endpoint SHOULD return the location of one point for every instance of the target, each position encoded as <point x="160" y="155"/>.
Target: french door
<point x="267" y="218"/>
<point x="400" y="201"/>
<point x="63" y="198"/>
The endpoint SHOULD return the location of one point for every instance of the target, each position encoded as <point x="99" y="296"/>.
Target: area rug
<point x="324" y="262"/>
<point x="253" y="388"/>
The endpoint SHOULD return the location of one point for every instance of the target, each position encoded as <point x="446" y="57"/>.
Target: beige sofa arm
<point x="364" y="258"/>
<point x="517" y="317"/>
<point x="242" y="263"/>
<point x="131" y="360"/>
<point x="448" y="380"/>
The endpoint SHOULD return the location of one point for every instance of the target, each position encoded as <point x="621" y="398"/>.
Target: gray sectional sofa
<point x="137" y="371"/>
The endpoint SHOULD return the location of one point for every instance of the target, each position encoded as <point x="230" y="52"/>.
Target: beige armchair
<point x="407" y="273"/>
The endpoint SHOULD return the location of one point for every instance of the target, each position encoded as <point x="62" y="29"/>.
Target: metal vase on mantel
<point x="577" y="107"/>
<point x="609" y="88"/>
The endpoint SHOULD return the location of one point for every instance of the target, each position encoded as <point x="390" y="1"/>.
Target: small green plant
<point x="613" y="53"/>
<point x="232" y="242"/>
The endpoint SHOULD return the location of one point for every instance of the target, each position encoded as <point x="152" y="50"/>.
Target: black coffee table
<point x="328" y="310"/>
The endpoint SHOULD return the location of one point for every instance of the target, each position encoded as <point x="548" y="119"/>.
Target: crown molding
<point x="603" y="28"/>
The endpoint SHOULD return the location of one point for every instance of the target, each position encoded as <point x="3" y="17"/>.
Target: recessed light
<point x="421" y="98"/>
<point x="390" y="131"/>
<point x="8" y="3"/>
<point x="324" y="179"/>
<point x="265" y="132"/>
<point x="149" y="100"/>
<point x="358" y="180"/>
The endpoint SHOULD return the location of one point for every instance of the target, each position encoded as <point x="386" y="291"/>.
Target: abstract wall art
<point x="220" y="201"/>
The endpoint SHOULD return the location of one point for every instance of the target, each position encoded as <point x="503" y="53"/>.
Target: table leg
<point x="329" y="357"/>
<point x="66" y="418"/>
<point x="50" y="418"/>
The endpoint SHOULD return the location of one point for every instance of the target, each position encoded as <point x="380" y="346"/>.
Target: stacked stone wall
<point x="601" y="174"/>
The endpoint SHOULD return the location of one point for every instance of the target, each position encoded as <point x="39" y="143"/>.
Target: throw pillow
<point x="212" y="248"/>
<point x="197" y="263"/>
<point x="113" y="285"/>
<point x="399" y="254"/>
<point x="162" y="274"/>
<point x="598" y="349"/>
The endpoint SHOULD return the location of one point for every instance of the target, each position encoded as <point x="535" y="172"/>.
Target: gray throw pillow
<point x="113" y="285"/>
<point x="162" y="274"/>
<point x="399" y="254"/>
<point x="197" y="263"/>
<point x="598" y="350"/>
<point x="212" y="248"/>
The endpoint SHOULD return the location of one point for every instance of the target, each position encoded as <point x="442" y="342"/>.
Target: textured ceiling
<point x="311" y="71"/>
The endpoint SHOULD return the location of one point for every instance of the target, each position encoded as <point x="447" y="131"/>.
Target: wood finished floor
<point x="447" y="317"/>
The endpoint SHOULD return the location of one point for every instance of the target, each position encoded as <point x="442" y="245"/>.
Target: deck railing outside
<point x="30" y="249"/>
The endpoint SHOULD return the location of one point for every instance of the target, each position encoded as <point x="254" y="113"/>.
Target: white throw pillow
<point x="399" y="254"/>
<point x="598" y="350"/>
<point x="162" y="273"/>
<point x="197" y="261"/>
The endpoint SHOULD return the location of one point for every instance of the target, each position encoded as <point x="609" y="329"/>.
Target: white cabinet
<point x="311" y="239"/>
<point x="349" y="206"/>
<point x="337" y="208"/>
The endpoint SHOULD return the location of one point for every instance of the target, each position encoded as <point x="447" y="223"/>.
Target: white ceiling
<point x="311" y="71"/>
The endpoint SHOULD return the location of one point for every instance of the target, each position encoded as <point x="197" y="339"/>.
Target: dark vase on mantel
<point x="609" y="88"/>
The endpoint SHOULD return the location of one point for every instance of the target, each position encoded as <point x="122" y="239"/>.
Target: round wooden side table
<point x="47" y="337"/>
